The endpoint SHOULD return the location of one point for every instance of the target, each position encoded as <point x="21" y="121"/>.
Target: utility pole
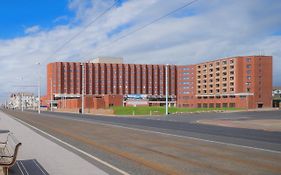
<point x="83" y="87"/>
<point x="51" y="95"/>
<point x="167" y="88"/>
<point x="39" y="89"/>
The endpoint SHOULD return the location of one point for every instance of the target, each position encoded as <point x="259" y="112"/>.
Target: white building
<point x="23" y="100"/>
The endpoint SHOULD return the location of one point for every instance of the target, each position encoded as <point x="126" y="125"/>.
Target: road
<point x="160" y="146"/>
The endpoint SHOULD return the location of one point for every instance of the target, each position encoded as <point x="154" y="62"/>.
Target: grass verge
<point x="159" y="110"/>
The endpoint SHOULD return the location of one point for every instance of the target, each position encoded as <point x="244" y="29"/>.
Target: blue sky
<point x="17" y="15"/>
<point x="32" y="30"/>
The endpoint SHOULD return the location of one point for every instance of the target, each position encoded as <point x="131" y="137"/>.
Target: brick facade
<point x="241" y="82"/>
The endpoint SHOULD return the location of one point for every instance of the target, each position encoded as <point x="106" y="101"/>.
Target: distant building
<point x="23" y="100"/>
<point x="238" y="82"/>
<point x="276" y="95"/>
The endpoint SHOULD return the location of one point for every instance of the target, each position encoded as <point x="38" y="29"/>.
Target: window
<point x="232" y="105"/>
<point x="248" y="60"/>
<point x="248" y="66"/>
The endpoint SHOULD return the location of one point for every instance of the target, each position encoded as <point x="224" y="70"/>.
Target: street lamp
<point x="167" y="93"/>
<point x="39" y="88"/>
<point x="83" y="87"/>
<point x="51" y="95"/>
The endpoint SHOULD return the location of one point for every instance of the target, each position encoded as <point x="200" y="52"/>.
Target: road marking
<point x="73" y="147"/>
<point x="187" y="137"/>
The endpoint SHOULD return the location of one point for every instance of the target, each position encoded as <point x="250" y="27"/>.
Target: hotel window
<point x="231" y="78"/>
<point x="217" y="63"/>
<point x="248" y="60"/>
<point x="248" y="77"/>
<point x="224" y="62"/>
<point x="248" y="71"/>
<point x="248" y="89"/>
<point x="248" y="66"/>
<point x="217" y="69"/>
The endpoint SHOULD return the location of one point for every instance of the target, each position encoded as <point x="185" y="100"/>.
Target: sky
<point x="33" y="31"/>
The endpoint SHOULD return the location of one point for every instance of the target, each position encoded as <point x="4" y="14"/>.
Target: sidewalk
<point x="55" y="159"/>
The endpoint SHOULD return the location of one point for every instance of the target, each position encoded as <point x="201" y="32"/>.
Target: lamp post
<point x="83" y="88"/>
<point x="167" y="88"/>
<point x="51" y="95"/>
<point x="39" y="88"/>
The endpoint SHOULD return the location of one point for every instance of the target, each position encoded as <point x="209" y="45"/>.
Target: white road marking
<point x="73" y="147"/>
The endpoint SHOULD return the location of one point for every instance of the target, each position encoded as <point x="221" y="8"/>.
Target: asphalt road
<point x="186" y="126"/>
<point x="161" y="146"/>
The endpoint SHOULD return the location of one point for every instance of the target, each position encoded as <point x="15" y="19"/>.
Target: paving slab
<point x="53" y="158"/>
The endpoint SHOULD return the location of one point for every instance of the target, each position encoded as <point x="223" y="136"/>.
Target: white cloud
<point x="32" y="29"/>
<point x="213" y="30"/>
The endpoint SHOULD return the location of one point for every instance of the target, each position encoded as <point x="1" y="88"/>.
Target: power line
<point x="150" y="23"/>
<point x="84" y="28"/>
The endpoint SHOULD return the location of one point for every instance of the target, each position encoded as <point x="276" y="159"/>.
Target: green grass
<point x="157" y="110"/>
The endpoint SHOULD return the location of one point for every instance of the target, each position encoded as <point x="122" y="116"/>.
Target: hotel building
<point x="240" y="82"/>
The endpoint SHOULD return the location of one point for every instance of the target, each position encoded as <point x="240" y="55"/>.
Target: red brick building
<point x="64" y="79"/>
<point x="241" y="82"/>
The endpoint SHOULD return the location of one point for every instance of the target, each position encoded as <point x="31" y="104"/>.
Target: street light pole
<point x="167" y="88"/>
<point x="83" y="88"/>
<point x="39" y="89"/>
<point x="51" y="95"/>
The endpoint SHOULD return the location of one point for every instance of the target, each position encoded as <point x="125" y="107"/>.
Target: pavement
<point x="38" y="155"/>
